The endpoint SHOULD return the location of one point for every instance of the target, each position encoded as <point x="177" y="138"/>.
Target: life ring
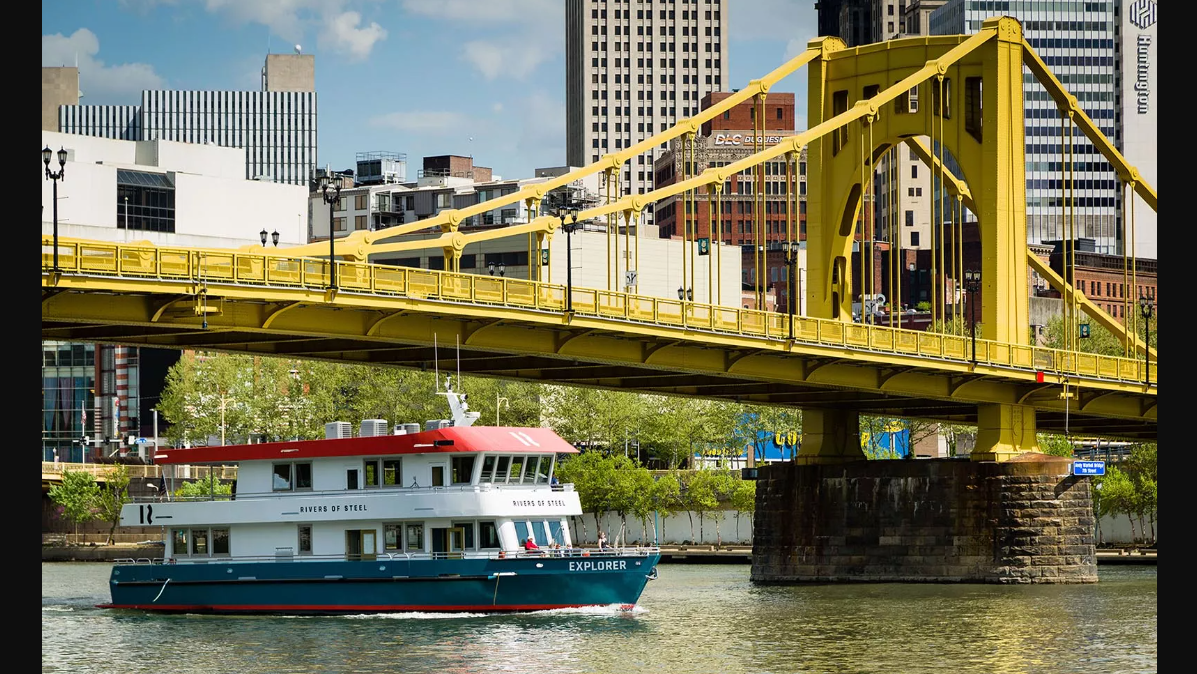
<point x="585" y="553"/>
<point x="502" y="554"/>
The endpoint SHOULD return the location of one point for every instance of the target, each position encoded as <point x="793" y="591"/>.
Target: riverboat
<point x="405" y="521"/>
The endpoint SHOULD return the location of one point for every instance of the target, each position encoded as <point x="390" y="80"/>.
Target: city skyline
<point x="509" y="56"/>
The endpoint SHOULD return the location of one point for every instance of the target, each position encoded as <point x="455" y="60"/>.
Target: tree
<point x="743" y="499"/>
<point x="667" y="499"/>
<point x="1118" y="496"/>
<point x="112" y="497"/>
<point x="76" y="495"/>
<point x="754" y="425"/>
<point x="1100" y="340"/>
<point x="701" y="497"/>
<point x="1055" y="444"/>
<point x="1140" y="466"/>
<point x="204" y="488"/>
<point x="872" y="430"/>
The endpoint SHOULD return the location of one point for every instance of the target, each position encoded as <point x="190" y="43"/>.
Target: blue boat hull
<point x="382" y="585"/>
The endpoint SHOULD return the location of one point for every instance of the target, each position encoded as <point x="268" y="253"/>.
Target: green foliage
<point x="76" y="496"/>
<point x="204" y="488"/>
<point x="747" y="420"/>
<point x="923" y="306"/>
<point x="1099" y="341"/>
<point x="1055" y="445"/>
<point x="112" y="497"/>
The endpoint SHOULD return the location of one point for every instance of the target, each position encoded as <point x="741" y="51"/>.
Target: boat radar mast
<point x="462" y="416"/>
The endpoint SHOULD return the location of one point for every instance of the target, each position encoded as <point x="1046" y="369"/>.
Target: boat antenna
<point x="436" y="370"/>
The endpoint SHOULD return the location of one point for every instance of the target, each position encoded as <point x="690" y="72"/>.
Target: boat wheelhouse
<point x="431" y="520"/>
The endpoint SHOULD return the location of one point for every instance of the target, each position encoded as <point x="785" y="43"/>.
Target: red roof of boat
<point x="456" y="439"/>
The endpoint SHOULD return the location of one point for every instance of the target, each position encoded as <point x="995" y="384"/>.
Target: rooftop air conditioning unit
<point x="336" y="430"/>
<point x="436" y="424"/>
<point x="411" y="428"/>
<point x="373" y="428"/>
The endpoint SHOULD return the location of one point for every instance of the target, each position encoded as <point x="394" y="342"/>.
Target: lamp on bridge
<point x="273" y="237"/>
<point x="332" y="194"/>
<point x="490" y="266"/>
<point x="47" y="155"/>
<point x="791" y="252"/>
<point x="1146" y="309"/>
<point x="568" y="228"/>
<point x="972" y="283"/>
<point x="685" y="294"/>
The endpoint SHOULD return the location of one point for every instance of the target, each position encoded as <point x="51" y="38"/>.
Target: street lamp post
<point x="273" y="237"/>
<point x="568" y="228"/>
<point x="792" y="262"/>
<point x="1146" y="309"/>
<point x="972" y="283"/>
<point x="331" y="200"/>
<point x="499" y="400"/>
<point x="55" y="176"/>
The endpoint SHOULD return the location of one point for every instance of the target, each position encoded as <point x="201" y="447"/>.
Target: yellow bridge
<point x="279" y="302"/>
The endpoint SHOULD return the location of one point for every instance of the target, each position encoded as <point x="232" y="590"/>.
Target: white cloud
<point x="497" y="107"/>
<point x="543" y="133"/>
<point x="101" y="83"/>
<point x="423" y="122"/>
<point x="516" y="57"/>
<point x="342" y="35"/>
<point x="338" y="29"/>
<point x="537" y="38"/>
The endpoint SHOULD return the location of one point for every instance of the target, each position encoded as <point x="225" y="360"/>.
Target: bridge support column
<point x="830" y="436"/>
<point x="1004" y="431"/>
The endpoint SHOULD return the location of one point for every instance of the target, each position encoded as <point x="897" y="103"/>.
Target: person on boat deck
<point x="530" y="545"/>
<point x="602" y="541"/>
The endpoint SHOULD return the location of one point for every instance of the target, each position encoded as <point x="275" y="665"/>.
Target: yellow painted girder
<point x="1107" y="321"/>
<point x="1068" y="103"/>
<point x="532" y="332"/>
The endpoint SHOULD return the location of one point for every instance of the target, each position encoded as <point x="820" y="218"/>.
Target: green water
<point x="694" y="618"/>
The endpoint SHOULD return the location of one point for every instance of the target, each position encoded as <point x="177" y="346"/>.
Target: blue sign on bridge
<point x="1088" y="467"/>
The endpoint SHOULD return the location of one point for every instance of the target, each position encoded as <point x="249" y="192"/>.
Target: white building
<point x="1137" y="135"/>
<point x="1077" y="42"/>
<point x="168" y="193"/>
<point x="634" y="70"/>
<point x="275" y="128"/>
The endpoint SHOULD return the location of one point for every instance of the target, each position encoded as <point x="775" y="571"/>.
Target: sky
<point x="484" y="78"/>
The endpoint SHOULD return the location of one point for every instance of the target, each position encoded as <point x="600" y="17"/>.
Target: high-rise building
<point x="634" y="70"/>
<point x="1078" y="41"/>
<point x="276" y="126"/>
<point x="849" y="20"/>
<point x="1135" y="23"/>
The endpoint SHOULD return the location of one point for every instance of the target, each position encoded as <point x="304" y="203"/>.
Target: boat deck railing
<point x="575" y="553"/>
<point x="387" y="489"/>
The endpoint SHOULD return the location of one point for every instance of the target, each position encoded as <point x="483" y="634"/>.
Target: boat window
<point x="282" y="477"/>
<point x="303" y="475"/>
<point x="284" y="472"/>
<point x="391" y="534"/>
<point x="488" y="470"/>
<point x="220" y="541"/>
<point x="179" y="543"/>
<point x="305" y="539"/>
<point x="542" y="470"/>
<point x="521" y="532"/>
<point x="555" y="532"/>
<point x="415" y="537"/>
<point x="462" y="470"/>
<point x="372" y="472"/>
<point x="517" y="469"/>
<point x="199" y="541"/>
<point x="539" y="534"/>
<point x="501" y="469"/>
<point x="468" y="527"/>
<point x="488" y="535"/>
<point x="391" y="475"/>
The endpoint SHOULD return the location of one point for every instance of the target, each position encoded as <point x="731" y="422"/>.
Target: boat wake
<point x="610" y="609"/>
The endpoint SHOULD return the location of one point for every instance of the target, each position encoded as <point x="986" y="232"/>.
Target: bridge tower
<point x="971" y="95"/>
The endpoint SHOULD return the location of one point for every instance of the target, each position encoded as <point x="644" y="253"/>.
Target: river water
<point x="693" y="619"/>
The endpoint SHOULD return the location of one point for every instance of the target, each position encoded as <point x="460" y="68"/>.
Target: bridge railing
<point x="247" y="269"/>
<point x="100" y="470"/>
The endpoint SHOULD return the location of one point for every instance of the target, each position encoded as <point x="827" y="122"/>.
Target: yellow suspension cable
<point x="898" y="231"/>
<point x="1064" y="234"/>
<point x="1134" y="280"/>
<point x="608" y="176"/>
<point x="1126" y="335"/>
<point x="860" y="223"/>
<point x="710" y="253"/>
<point x="871" y="227"/>
<point x="693" y="207"/>
<point x="791" y="283"/>
<point x="960" y="254"/>
<point x="1075" y="301"/>
<point x="758" y="145"/>
<point x="719" y="262"/>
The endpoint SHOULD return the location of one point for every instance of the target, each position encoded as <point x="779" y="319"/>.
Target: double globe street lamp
<point x="273" y="237"/>
<point x="55" y="176"/>
<point x="1146" y="309"/>
<point x="332" y="194"/>
<point x="568" y="227"/>
<point x="972" y="283"/>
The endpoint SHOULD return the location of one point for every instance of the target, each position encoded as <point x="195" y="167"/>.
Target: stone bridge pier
<point x="1024" y="520"/>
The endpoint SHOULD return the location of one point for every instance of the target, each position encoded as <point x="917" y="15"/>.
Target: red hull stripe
<point x="453" y="439"/>
<point x="340" y="607"/>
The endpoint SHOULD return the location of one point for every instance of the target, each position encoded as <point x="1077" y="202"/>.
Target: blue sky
<point x="416" y="76"/>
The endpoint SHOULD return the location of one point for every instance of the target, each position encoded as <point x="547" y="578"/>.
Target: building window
<point x="359" y="222"/>
<point x="914" y="238"/>
<point x="338" y="224"/>
<point x="359" y="202"/>
<point x="914" y="171"/>
<point x="910" y="218"/>
<point x="145" y="201"/>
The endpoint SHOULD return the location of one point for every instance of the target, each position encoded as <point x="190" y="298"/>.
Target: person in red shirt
<point x="530" y="545"/>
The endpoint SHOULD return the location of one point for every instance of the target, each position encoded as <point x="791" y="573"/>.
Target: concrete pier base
<point x="1026" y="520"/>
